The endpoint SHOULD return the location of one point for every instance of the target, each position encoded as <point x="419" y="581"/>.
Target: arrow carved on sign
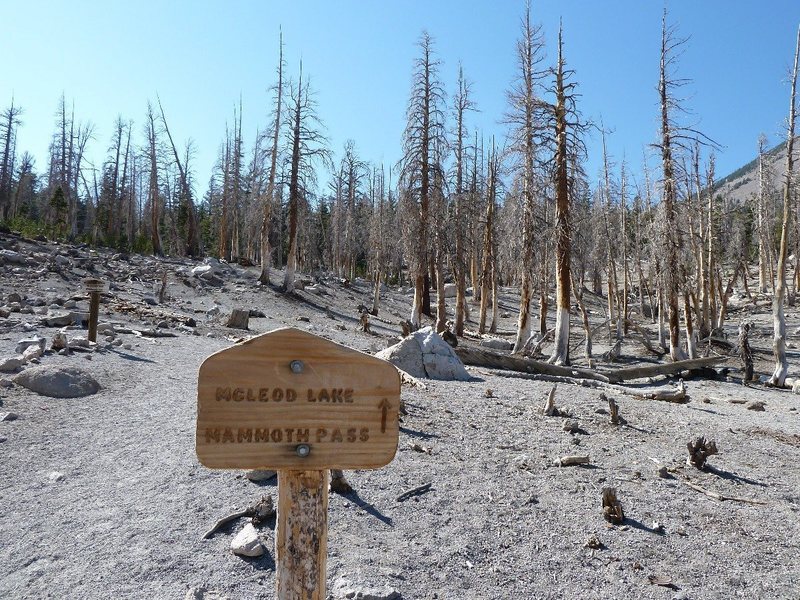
<point x="384" y="406"/>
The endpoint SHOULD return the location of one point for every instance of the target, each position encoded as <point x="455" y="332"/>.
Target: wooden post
<point x="94" y="287"/>
<point x="301" y="539"/>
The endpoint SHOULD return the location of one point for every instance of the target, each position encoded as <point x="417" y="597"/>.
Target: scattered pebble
<point x="247" y="542"/>
<point x="55" y="476"/>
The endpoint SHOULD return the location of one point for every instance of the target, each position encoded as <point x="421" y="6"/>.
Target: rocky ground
<point x="102" y="495"/>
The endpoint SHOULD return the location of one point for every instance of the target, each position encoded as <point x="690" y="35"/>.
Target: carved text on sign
<point x="264" y="394"/>
<point x="259" y="435"/>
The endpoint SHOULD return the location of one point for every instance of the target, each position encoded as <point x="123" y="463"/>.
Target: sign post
<point x="300" y="404"/>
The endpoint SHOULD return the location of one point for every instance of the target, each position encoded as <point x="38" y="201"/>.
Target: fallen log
<point x="479" y="357"/>
<point x="495" y="360"/>
<point x="673" y="368"/>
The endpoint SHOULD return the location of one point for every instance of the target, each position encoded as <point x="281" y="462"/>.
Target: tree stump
<point x="699" y="451"/>
<point x="365" y="322"/>
<point x="339" y="484"/>
<point x="612" y="509"/>
<point x="550" y="409"/>
<point x="745" y="353"/>
<point x="239" y="319"/>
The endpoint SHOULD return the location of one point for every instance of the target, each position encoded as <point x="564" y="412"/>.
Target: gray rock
<point x="200" y="592"/>
<point x="58" y="319"/>
<point x="14" y="297"/>
<point x="257" y="475"/>
<point x="54" y="476"/>
<point x="344" y="589"/>
<point x="10" y="256"/>
<point x="5" y="313"/>
<point x="247" y="542"/>
<point x="425" y="354"/>
<point x="11" y="364"/>
<point x="32" y="353"/>
<point x="497" y="344"/>
<point x="8" y="416"/>
<point x="449" y="290"/>
<point x="406" y="355"/>
<point x="757" y="405"/>
<point x="5" y="383"/>
<point x="58" y="381"/>
<point x="23" y="344"/>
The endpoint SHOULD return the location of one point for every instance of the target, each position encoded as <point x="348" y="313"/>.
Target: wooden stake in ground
<point x="94" y="287"/>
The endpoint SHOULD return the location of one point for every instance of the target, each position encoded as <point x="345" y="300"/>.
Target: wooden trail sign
<point x="292" y="401"/>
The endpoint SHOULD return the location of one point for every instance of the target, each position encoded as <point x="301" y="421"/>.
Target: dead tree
<point x="669" y="193"/>
<point x="152" y="191"/>
<point x="192" y="240"/>
<point x="9" y="123"/>
<point x="423" y="133"/>
<point x="461" y="104"/>
<point x="762" y="222"/>
<point x="269" y="198"/>
<point x="779" y="318"/>
<point x="488" y="237"/>
<point x="526" y="131"/>
<point x="567" y="128"/>
<point x="308" y="145"/>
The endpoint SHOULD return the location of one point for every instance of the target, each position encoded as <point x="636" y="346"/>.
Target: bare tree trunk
<point x="155" y="237"/>
<point x="779" y="318"/>
<point x="560" y="354"/>
<point x="294" y="192"/>
<point x="669" y="197"/>
<point x="269" y="199"/>
<point x="488" y="241"/>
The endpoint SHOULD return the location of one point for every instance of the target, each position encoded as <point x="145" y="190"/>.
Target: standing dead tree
<point x="9" y="123"/>
<point x="525" y="141"/>
<point x="424" y="132"/>
<point x="568" y="147"/>
<point x="462" y="103"/>
<point x="779" y="318"/>
<point x="308" y="146"/>
<point x="268" y="200"/>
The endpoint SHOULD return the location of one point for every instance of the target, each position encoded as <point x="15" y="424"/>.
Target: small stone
<point x="571" y="426"/>
<point x="594" y="543"/>
<point x="127" y="346"/>
<point x="3" y="439"/>
<point x="257" y="475"/>
<point x="247" y="542"/>
<point x="13" y="297"/>
<point x="162" y="325"/>
<point x="757" y="405"/>
<point x="116" y="342"/>
<point x="202" y="593"/>
<point x="5" y="383"/>
<point x="8" y="416"/>
<point x="303" y="319"/>
<point x="55" y="476"/>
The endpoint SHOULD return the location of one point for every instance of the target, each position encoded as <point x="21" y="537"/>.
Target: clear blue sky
<point x="111" y="57"/>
